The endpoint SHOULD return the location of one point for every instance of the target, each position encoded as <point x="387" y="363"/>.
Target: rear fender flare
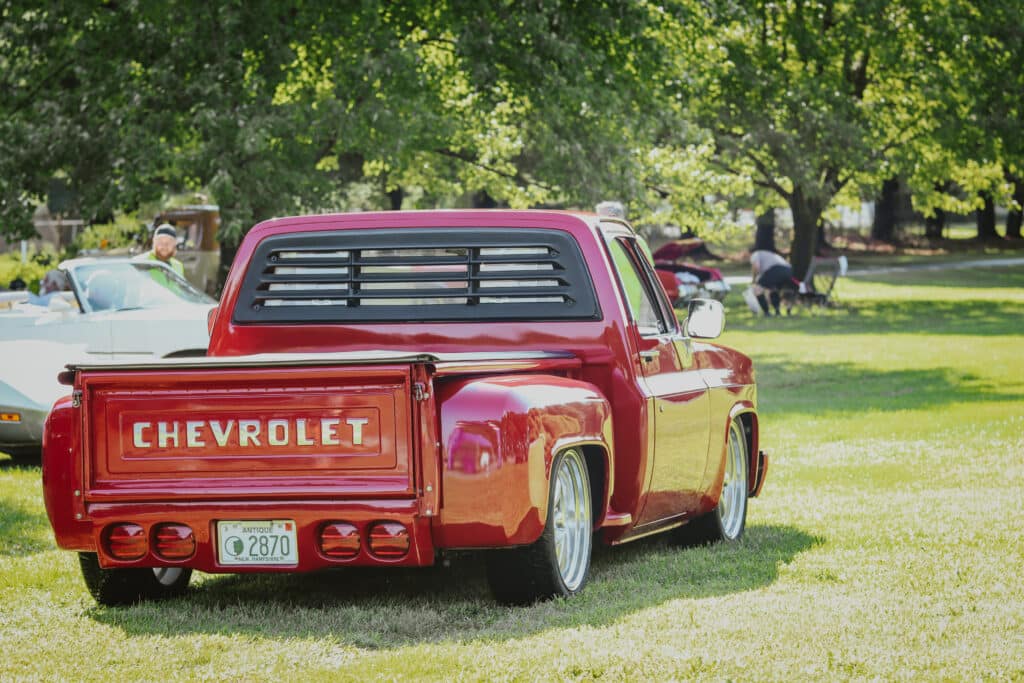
<point x="499" y="437"/>
<point x="746" y="412"/>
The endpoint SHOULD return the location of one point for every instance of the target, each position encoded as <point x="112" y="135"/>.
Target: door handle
<point x="649" y="356"/>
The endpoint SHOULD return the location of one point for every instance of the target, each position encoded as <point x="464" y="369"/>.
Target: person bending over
<point x="771" y="274"/>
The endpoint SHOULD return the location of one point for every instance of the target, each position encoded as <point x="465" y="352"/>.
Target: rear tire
<point x="558" y="563"/>
<point x="729" y="518"/>
<point x="130" y="586"/>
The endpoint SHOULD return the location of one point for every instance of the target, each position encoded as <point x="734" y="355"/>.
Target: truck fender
<point x="758" y="465"/>
<point x="62" y="477"/>
<point x="499" y="437"/>
<point x="745" y="411"/>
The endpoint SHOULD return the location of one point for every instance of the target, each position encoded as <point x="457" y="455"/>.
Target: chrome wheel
<point x="571" y="519"/>
<point x="557" y="563"/>
<point x="167" y="576"/>
<point x="732" y="506"/>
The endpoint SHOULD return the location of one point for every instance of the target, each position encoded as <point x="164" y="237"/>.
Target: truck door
<point x="677" y="397"/>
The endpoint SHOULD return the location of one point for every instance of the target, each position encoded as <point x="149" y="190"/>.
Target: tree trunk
<point x="482" y="200"/>
<point x="884" y="226"/>
<point x="1016" y="216"/>
<point x="764" y="231"/>
<point x="395" y="197"/>
<point x="822" y="243"/>
<point x="987" y="218"/>
<point x="935" y="225"/>
<point x="806" y="214"/>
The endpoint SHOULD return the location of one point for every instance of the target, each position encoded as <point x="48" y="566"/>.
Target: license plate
<point x="256" y="542"/>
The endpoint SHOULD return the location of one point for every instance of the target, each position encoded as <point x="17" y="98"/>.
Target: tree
<point x="995" y="83"/>
<point x="1015" y="216"/>
<point x="979" y="140"/>
<point x="129" y="101"/>
<point x="280" y="107"/>
<point x="886" y="211"/>
<point x="809" y="96"/>
<point x="764" y="231"/>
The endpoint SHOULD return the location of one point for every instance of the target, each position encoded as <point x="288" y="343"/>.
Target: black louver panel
<point x="417" y="275"/>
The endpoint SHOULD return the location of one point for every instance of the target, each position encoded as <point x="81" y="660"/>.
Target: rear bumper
<point x="309" y="517"/>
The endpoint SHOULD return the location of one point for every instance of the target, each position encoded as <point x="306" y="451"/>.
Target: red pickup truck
<point x="381" y="388"/>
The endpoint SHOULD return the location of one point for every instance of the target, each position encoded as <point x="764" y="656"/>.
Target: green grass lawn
<point x="887" y="542"/>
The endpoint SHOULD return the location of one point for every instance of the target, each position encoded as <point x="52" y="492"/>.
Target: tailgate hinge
<point x="419" y="391"/>
<point x="76" y="399"/>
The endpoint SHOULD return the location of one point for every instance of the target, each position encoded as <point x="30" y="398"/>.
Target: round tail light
<point x="126" y="541"/>
<point x="389" y="540"/>
<point x="339" y="540"/>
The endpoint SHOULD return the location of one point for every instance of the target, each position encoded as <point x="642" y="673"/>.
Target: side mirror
<point x="706" y="319"/>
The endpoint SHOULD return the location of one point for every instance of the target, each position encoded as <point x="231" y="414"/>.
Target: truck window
<point x="417" y="275"/>
<point x="642" y="305"/>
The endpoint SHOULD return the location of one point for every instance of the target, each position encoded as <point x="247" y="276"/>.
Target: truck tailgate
<point x="233" y="433"/>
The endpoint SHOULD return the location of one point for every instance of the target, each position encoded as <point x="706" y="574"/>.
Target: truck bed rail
<point x="372" y="357"/>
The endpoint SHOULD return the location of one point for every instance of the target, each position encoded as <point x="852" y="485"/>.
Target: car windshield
<point x="124" y="285"/>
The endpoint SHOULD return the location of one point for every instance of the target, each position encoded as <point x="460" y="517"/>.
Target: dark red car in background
<point x="685" y="280"/>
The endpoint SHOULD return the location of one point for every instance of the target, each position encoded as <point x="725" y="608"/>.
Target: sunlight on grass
<point x="886" y="544"/>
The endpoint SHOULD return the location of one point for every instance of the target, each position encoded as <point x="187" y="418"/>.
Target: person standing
<point x="165" y="246"/>
<point x="770" y="274"/>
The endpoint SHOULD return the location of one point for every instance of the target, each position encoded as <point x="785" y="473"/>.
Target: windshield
<point x="121" y="285"/>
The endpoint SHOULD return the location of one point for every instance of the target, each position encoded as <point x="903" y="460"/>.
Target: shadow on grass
<point x="22" y="531"/>
<point x="787" y="387"/>
<point x="969" y="317"/>
<point x="387" y="608"/>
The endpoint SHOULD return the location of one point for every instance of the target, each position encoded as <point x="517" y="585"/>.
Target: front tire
<point x="558" y="563"/>
<point x="129" y="586"/>
<point x="729" y="518"/>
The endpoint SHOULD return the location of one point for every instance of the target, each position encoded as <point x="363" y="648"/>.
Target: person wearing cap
<point x="165" y="246"/>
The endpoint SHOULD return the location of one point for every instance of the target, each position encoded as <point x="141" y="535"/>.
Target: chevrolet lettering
<point x="324" y="431"/>
<point x="382" y="389"/>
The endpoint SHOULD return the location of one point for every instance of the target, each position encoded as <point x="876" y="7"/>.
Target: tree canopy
<point x="277" y="107"/>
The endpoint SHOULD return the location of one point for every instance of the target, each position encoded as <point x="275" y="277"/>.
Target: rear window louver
<point x="417" y="275"/>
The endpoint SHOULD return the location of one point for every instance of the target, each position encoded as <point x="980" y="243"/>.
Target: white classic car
<point x="112" y="309"/>
<point x="28" y="389"/>
<point x="118" y="308"/>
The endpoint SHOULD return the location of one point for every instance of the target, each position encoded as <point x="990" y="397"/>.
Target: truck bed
<point x="281" y="426"/>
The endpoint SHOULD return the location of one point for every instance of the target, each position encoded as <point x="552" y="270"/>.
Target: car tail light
<point x="389" y="540"/>
<point x="126" y="541"/>
<point x="174" y="542"/>
<point x="339" y="540"/>
<point x="10" y="417"/>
